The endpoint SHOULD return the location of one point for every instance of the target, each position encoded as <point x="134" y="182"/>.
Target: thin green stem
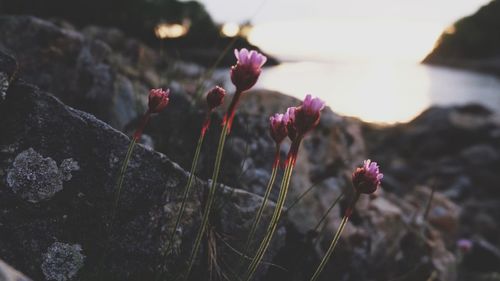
<point x="121" y="176"/>
<point x="273" y="224"/>
<point x="210" y="199"/>
<point x="187" y="190"/>
<point x="317" y="238"/>
<point x="258" y="217"/>
<point x="302" y="195"/>
<point x="323" y="218"/>
<point x="429" y="202"/>
<point x="335" y="239"/>
<point x="198" y="91"/>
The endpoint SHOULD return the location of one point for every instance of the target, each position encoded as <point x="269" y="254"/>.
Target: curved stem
<point x="269" y="188"/>
<point x="285" y="183"/>
<point x="206" y="124"/>
<point x="142" y="125"/>
<point x="323" y="218"/>
<point x="123" y="169"/>
<point x="316" y="229"/>
<point x="210" y="71"/>
<point x="121" y="176"/>
<point x="187" y="189"/>
<point x="302" y="195"/>
<point x="210" y="199"/>
<point x="229" y="117"/>
<point x="335" y="239"/>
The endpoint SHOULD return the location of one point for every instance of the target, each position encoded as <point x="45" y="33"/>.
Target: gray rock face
<point x="7" y="74"/>
<point x="79" y="70"/>
<point x="35" y="178"/>
<point x="73" y="201"/>
<point x="62" y="261"/>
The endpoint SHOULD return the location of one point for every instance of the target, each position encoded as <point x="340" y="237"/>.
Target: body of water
<point x="382" y="92"/>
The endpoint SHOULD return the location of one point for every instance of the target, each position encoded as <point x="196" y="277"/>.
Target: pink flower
<point x="304" y="118"/>
<point x="158" y="100"/>
<point x="278" y="128"/>
<point x="464" y="245"/>
<point x="245" y="73"/>
<point x="366" y="179"/>
<point x="215" y="97"/>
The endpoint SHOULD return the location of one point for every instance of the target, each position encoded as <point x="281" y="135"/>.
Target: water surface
<point x="382" y="92"/>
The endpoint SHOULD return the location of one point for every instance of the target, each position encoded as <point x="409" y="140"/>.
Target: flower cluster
<point x="366" y="179"/>
<point x="296" y="122"/>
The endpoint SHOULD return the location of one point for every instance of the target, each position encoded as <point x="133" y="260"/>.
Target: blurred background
<point x="413" y="85"/>
<point x="363" y="57"/>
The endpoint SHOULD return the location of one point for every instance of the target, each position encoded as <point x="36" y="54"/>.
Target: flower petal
<point x="243" y="58"/>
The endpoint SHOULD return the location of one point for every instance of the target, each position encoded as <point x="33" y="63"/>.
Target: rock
<point x="8" y="273"/>
<point x="79" y="70"/>
<point x="7" y="74"/>
<point x="439" y="147"/>
<point x="62" y="261"/>
<point x="43" y="132"/>
<point x="481" y="154"/>
<point x="455" y="150"/>
<point x="483" y="257"/>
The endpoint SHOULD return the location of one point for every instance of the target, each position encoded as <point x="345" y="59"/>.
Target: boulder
<point x="58" y="171"/>
<point x="83" y="72"/>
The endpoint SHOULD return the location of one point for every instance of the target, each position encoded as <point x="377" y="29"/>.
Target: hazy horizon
<point x="390" y="30"/>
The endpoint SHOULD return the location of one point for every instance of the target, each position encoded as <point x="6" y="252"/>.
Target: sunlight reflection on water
<point x="382" y="92"/>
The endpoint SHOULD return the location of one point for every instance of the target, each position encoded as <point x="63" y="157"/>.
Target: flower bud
<point x="158" y="100"/>
<point x="245" y="73"/>
<point x="215" y="97"/>
<point x="464" y="245"/>
<point x="366" y="179"/>
<point x="278" y="128"/>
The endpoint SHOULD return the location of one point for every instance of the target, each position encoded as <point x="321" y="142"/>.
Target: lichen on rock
<point x="4" y="85"/>
<point x="67" y="166"/>
<point x="62" y="261"/>
<point x="35" y="178"/>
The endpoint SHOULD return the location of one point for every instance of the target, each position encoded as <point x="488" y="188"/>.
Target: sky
<point x="401" y="30"/>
